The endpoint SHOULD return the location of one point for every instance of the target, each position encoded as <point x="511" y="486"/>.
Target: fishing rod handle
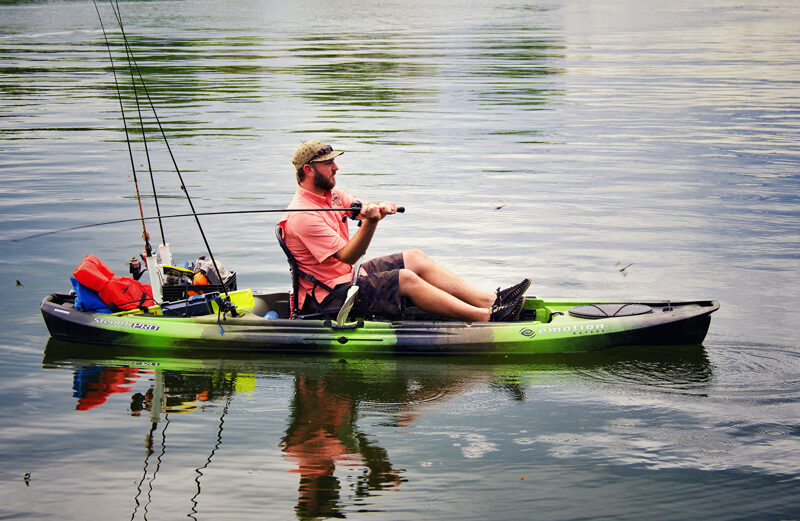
<point x="355" y="210"/>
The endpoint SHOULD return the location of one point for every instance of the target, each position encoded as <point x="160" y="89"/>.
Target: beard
<point x="322" y="182"/>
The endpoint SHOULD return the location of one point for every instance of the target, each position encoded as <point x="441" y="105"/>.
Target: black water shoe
<point x="507" y="312"/>
<point x="513" y="293"/>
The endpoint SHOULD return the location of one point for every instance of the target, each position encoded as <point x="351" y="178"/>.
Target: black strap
<point x="314" y="281"/>
<point x="326" y="307"/>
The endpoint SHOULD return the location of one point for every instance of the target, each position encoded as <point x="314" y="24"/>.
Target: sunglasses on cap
<point x="327" y="149"/>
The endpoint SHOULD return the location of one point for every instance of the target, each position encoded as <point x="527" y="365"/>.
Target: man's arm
<point x="371" y="213"/>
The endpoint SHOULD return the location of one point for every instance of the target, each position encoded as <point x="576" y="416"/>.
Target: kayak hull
<point x="547" y="326"/>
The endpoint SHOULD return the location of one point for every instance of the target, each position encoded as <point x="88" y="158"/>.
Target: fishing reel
<point x="135" y="268"/>
<point x="226" y="306"/>
<point x="355" y="209"/>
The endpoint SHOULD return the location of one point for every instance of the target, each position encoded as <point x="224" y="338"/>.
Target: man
<point x="322" y="247"/>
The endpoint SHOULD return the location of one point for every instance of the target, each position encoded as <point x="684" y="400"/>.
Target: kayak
<point x="168" y="313"/>
<point x="261" y="323"/>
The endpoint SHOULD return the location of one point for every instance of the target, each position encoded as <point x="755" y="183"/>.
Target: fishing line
<point x="145" y="235"/>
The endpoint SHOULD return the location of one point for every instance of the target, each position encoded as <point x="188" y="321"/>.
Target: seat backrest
<point x="292" y="267"/>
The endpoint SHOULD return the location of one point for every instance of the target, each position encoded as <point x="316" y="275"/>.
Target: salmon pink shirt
<point x="314" y="238"/>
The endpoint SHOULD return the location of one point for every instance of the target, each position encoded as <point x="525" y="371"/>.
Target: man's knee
<point x="408" y="281"/>
<point x="415" y="259"/>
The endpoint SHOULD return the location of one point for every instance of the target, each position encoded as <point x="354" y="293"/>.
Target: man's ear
<point x="309" y="170"/>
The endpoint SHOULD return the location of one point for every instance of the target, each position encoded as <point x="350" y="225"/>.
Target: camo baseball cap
<point x="313" y="151"/>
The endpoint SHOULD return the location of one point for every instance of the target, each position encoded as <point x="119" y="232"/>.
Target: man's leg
<point x="432" y="299"/>
<point x="389" y="279"/>
<point x="445" y="280"/>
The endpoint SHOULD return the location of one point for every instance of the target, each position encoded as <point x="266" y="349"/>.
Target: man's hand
<point x="371" y="212"/>
<point x="387" y="208"/>
<point x="375" y="211"/>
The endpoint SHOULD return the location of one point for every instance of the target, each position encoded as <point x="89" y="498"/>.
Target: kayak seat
<point x="296" y="273"/>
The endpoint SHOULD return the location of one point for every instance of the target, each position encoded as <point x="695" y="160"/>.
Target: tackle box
<point x="173" y="292"/>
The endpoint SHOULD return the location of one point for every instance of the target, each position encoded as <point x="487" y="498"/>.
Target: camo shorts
<point x="378" y="290"/>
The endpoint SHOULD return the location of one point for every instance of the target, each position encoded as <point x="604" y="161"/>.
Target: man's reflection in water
<point x="322" y="432"/>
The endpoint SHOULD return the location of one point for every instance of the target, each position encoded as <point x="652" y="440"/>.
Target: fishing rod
<point x="145" y="235"/>
<point x="352" y="213"/>
<point x="131" y="63"/>
<point x="132" y="60"/>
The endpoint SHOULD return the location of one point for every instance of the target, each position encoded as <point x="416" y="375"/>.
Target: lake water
<point x="660" y="135"/>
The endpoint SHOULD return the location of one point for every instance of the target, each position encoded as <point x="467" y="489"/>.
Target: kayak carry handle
<point x="344" y="327"/>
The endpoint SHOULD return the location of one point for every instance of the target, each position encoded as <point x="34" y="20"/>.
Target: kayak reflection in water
<point x="322" y="432"/>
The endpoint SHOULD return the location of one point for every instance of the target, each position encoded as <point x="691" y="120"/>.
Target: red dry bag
<point x="126" y="293"/>
<point x="93" y="273"/>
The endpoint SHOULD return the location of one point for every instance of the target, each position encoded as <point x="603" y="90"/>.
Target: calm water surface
<point x="664" y="137"/>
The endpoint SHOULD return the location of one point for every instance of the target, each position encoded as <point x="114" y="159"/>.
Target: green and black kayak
<point x="261" y="323"/>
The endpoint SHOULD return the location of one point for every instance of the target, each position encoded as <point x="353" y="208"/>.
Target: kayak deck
<point x="545" y="326"/>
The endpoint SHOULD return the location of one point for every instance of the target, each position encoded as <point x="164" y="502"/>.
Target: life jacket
<point x="116" y="292"/>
